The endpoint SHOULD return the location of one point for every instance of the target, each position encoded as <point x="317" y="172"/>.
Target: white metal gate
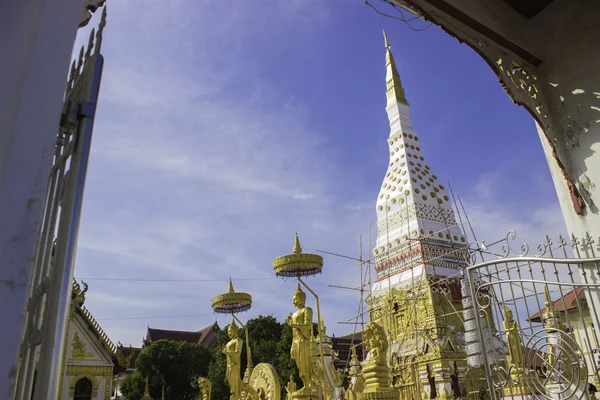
<point x="536" y="317"/>
<point x="51" y="285"/>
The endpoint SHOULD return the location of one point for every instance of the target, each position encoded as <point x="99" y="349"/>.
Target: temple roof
<point x="567" y="303"/>
<point x="117" y="352"/>
<point x="205" y="336"/>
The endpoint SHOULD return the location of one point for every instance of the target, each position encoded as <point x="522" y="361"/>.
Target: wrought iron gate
<point x="536" y="314"/>
<point x="51" y="285"/>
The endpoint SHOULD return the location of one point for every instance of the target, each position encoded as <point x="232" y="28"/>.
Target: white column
<point x="584" y="161"/>
<point x="36" y="41"/>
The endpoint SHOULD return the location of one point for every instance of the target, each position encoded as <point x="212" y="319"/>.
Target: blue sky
<point x="222" y="130"/>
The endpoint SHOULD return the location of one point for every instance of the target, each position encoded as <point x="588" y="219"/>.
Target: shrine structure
<point x="419" y="254"/>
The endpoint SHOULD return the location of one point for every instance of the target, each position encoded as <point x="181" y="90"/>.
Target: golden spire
<point x="395" y="91"/>
<point x="230" y="287"/>
<point x="146" y="395"/>
<point x="297" y="248"/>
<point x="163" y="393"/>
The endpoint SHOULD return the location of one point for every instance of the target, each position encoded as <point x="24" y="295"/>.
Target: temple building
<point x="95" y="366"/>
<point x="419" y="254"/>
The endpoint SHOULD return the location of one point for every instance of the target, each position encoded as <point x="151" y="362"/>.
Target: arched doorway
<point x="83" y="389"/>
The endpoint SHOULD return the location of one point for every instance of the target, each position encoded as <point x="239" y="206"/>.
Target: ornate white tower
<point x="417" y="234"/>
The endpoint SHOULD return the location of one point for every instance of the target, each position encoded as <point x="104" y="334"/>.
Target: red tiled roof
<point x="209" y="334"/>
<point x="566" y="303"/>
<point x="204" y="337"/>
<point x="343" y="344"/>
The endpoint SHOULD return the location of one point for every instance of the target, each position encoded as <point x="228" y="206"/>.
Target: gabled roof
<point x="566" y="303"/>
<point x="342" y="346"/>
<point x="209" y="334"/>
<point x="116" y="352"/>
<point x="204" y="336"/>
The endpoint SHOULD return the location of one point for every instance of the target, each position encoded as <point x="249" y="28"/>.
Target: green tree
<point x="174" y="365"/>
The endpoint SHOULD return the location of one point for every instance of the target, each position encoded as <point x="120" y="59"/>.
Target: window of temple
<point x="83" y="389"/>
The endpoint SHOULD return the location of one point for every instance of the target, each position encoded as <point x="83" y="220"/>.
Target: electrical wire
<point x="401" y="18"/>
<point x="170" y="280"/>
<point x="154" y="317"/>
<point x="185" y="316"/>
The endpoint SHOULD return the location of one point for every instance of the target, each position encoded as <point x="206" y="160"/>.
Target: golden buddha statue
<point x="290" y="387"/>
<point x="301" y="323"/>
<point x="513" y="340"/>
<point x="375" y="369"/>
<point x="233" y="351"/>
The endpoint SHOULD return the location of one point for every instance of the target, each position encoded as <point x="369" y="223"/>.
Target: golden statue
<point x="375" y="369"/>
<point x="205" y="387"/>
<point x="301" y="323"/>
<point x="233" y="351"/>
<point x="290" y="387"/>
<point x="513" y="340"/>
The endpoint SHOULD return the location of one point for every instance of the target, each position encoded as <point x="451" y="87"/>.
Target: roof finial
<point x="395" y="91"/>
<point x="230" y="287"/>
<point x="385" y="38"/>
<point x="297" y="248"/>
<point x="548" y="302"/>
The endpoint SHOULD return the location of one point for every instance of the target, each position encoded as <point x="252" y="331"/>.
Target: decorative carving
<point x="78" y="347"/>
<point x="124" y="361"/>
<point x="78" y="293"/>
<point x="264" y="381"/>
<point x="301" y="323"/>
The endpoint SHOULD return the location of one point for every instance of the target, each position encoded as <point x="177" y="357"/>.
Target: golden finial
<point x="234" y="326"/>
<point x="163" y="393"/>
<point x="297" y="248"/>
<point x="230" y="290"/>
<point x="146" y="394"/>
<point x="547" y="296"/>
<point x="385" y="38"/>
<point x="299" y="292"/>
